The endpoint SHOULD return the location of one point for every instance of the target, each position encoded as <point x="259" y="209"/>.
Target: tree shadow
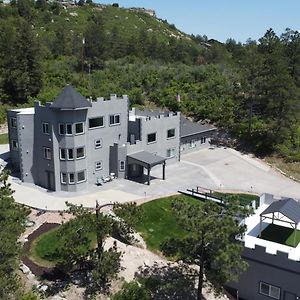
<point x="176" y="282"/>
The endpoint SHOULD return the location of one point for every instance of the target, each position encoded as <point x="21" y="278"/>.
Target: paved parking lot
<point x="231" y="170"/>
<point x="217" y="169"/>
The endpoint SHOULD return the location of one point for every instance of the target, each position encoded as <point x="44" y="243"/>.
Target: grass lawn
<point x="159" y="221"/>
<point x="245" y="199"/>
<point x="281" y="235"/>
<point x="43" y="248"/>
<point x="4" y="138"/>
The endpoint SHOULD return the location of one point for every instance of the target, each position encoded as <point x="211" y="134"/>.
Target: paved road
<point x="218" y="169"/>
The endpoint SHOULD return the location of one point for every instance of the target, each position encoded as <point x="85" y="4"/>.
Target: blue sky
<point x="222" y="19"/>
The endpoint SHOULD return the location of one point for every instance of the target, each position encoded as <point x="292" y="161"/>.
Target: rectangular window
<point x="114" y="119"/>
<point x="80" y="176"/>
<point x="69" y="130"/>
<point x="47" y="153"/>
<point x="80" y="152"/>
<point x="98" y="143"/>
<point x="70" y="154"/>
<point x="171" y="153"/>
<point x="269" y="290"/>
<point x="192" y="144"/>
<point x="63" y="178"/>
<point x="96" y="122"/>
<point x="151" y="138"/>
<point x="79" y="128"/>
<point x="71" y="178"/>
<point x="61" y="129"/>
<point x="203" y="140"/>
<point x="14" y="145"/>
<point x="122" y="165"/>
<point x="13" y="122"/>
<point x="171" y="133"/>
<point x="62" y="154"/>
<point x="45" y="128"/>
<point x="98" y="165"/>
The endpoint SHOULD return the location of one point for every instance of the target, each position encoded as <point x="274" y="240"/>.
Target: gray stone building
<point x="72" y="142"/>
<point x="273" y="267"/>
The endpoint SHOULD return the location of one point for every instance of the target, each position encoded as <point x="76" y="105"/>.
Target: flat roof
<point x="147" y="158"/>
<point x="24" y="111"/>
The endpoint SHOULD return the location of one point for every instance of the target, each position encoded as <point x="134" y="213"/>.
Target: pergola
<point x="286" y="211"/>
<point x="147" y="160"/>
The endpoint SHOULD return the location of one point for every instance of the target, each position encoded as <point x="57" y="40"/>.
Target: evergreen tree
<point x="12" y="220"/>
<point x="213" y="245"/>
<point x="22" y="74"/>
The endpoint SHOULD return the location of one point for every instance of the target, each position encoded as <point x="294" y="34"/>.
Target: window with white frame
<point x="79" y="128"/>
<point x="269" y="290"/>
<point x="98" y="165"/>
<point x="71" y="178"/>
<point x="114" y="119"/>
<point x="47" y="153"/>
<point x="70" y="154"/>
<point x="192" y="144"/>
<point x="98" y="143"/>
<point x="45" y="128"/>
<point x="203" y="140"/>
<point x="13" y="122"/>
<point x="170" y="153"/>
<point x="80" y="153"/>
<point x="61" y="129"/>
<point x="80" y="176"/>
<point x="151" y="137"/>
<point x="63" y="178"/>
<point x="96" y="122"/>
<point x="171" y="133"/>
<point x="69" y="130"/>
<point x="62" y="154"/>
<point x="14" y="145"/>
<point x="122" y="165"/>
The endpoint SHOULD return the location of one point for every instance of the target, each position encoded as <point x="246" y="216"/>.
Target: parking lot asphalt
<point x="216" y="169"/>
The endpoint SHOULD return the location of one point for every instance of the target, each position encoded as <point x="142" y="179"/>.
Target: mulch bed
<point x="43" y="272"/>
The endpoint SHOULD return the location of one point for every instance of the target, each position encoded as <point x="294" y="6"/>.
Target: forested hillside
<point x="250" y="90"/>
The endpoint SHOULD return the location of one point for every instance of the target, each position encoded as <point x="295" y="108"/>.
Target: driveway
<point x="231" y="170"/>
<point x="218" y="169"/>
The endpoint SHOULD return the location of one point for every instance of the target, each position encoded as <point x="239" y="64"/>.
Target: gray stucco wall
<point x="160" y="126"/>
<point x="13" y="135"/>
<point x="196" y="138"/>
<point x="26" y="140"/>
<point x="37" y="167"/>
<point x="276" y="270"/>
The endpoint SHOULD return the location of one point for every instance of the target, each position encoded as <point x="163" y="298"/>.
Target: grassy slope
<point x="159" y="222"/>
<point x="290" y="168"/>
<point x="128" y="22"/>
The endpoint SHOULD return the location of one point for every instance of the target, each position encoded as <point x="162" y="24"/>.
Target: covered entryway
<point x="136" y="163"/>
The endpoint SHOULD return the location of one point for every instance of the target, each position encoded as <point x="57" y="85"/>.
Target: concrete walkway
<point x="219" y="169"/>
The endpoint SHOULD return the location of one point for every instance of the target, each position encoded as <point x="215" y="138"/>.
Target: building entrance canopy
<point x="147" y="160"/>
